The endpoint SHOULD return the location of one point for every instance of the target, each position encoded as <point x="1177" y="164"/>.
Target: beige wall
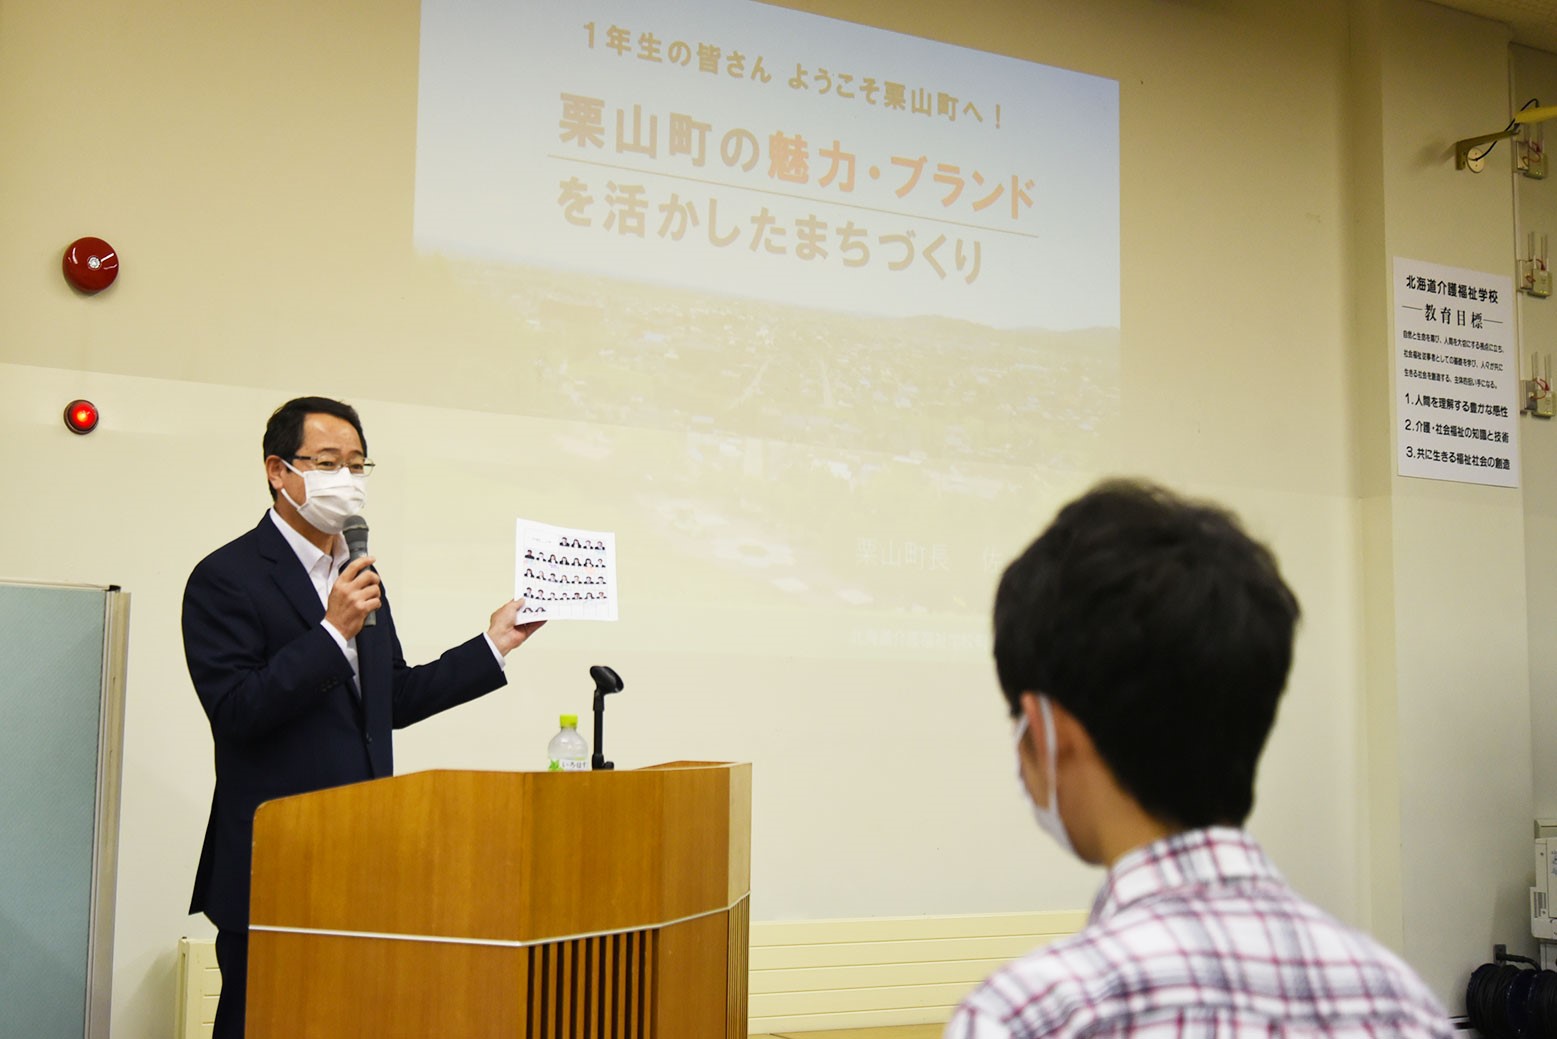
<point x="1448" y="691"/>
<point x="1535" y="75"/>
<point x="254" y="165"/>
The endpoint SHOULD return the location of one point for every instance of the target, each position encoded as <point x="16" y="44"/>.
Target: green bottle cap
<point x="569" y="721"/>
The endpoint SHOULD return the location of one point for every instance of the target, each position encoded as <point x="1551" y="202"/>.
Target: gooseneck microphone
<point x="356" y="534"/>
<point x="607" y="681"/>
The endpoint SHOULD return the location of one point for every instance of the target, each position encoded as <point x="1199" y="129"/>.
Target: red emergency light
<point x="81" y="416"/>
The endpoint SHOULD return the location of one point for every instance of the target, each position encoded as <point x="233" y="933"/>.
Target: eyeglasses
<point x="335" y="465"/>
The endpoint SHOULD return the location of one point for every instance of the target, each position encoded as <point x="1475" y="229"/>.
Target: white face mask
<point x="333" y="498"/>
<point x="1048" y="816"/>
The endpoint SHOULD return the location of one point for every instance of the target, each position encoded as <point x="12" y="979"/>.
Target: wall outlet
<point x="1538" y="398"/>
<point x="1532" y="160"/>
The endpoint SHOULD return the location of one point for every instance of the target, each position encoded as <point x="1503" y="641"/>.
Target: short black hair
<point x="1166" y="631"/>
<point x="284" y="431"/>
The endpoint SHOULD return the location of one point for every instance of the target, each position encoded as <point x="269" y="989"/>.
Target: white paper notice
<point x="1456" y="375"/>
<point x="565" y="574"/>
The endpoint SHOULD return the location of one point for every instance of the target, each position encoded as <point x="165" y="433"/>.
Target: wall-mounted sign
<point x="1456" y="375"/>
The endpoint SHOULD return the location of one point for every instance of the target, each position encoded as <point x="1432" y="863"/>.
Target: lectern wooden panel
<point x="522" y="905"/>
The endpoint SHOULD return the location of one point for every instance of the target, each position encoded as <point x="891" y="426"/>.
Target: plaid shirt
<point x="1198" y="936"/>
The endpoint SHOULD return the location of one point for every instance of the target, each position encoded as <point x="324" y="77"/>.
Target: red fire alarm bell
<point x="91" y="264"/>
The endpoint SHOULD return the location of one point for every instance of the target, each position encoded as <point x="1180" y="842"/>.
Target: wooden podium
<point x="525" y="905"/>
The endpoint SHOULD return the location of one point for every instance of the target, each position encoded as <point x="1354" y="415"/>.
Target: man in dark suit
<point x="302" y="690"/>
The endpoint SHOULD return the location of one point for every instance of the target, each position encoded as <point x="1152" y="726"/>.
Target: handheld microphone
<point x="356" y="534"/>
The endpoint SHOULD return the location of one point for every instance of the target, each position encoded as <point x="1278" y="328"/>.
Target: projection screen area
<point x="872" y="279"/>
<point x="831" y="315"/>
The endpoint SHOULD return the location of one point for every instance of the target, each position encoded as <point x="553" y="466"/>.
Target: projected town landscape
<point x="925" y="388"/>
<point x="823" y="458"/>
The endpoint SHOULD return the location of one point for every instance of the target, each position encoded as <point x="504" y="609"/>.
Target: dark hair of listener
<point x="1166" y="631"/>
<point x="284" y="431"/>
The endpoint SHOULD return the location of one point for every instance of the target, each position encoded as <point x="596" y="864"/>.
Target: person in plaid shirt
<point x="1142" y="643"/>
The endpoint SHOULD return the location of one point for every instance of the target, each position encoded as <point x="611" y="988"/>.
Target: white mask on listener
<point x="1048" y="816"/>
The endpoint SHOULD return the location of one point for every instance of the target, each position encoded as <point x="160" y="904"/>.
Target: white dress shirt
<point x="322" y="572"/>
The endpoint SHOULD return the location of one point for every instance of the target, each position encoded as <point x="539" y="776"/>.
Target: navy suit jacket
<point x="277" y="690"/>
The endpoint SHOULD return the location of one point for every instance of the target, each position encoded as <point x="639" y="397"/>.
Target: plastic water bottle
<point x="567" y="750"/>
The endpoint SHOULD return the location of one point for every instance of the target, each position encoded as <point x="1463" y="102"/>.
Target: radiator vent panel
<point x="594" y="988"/>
